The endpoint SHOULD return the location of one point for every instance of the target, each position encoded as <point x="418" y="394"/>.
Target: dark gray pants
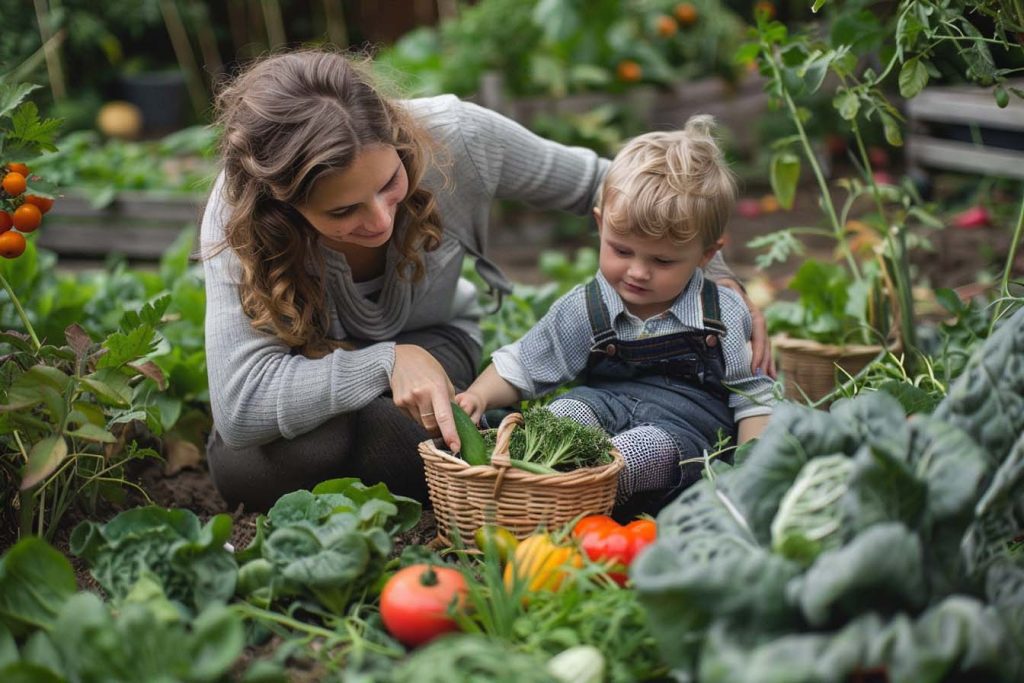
<point x="376" y="443"/>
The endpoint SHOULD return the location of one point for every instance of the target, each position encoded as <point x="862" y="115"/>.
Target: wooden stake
<point x="51" y="50"/>
<point x="186" y="60"/>
<point x="275" y="23"/>
<point x="337" y="30"/>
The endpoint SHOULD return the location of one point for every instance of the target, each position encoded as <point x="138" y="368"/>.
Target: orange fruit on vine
<point x="766" y="8"/>
<point x="686" y="14"/>
<point x="27" y="217"/>
<point x="6" y="222"/>
<point x="666" y="26"/>
<point x="44" y="203"/>
<point x="14" y="183"/>
<point x="629" y="71"/>
<point x="18" y="167"/>
<point x="12" y="244"/>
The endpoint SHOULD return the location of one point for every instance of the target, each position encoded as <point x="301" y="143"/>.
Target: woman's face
<point x="357" y="205"/>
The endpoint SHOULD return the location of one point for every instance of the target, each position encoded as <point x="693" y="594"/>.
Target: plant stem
<point x="21" y="311"/>
<point x="812" y="159"/>
<point x="1004" y="285"/>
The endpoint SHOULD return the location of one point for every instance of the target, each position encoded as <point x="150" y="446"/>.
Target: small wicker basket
<point x="465" y="497"/>
<point x="810" y="369"/>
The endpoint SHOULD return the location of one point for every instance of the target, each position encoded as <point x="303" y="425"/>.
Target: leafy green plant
<point x="841" y="540"/>
<point x="326" y="546"/>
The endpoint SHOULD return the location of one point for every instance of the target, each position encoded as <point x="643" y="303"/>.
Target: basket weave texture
<point x="811" y="369"/>
<point x="465" y="497"/>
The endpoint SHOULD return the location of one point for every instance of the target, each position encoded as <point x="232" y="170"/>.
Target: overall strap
<point x="712" y="309"/>
<point x="597" y="312"/>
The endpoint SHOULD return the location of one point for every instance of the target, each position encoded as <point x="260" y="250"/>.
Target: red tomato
<point x="605" y="540"/>
<point x="414" y="603"/>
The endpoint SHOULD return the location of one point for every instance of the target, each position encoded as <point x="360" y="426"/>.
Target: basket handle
<point x="500" y="458"/>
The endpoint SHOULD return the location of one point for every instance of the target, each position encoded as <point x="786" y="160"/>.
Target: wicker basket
<point x="810" y="369"/>
<point x="466" y="497"/>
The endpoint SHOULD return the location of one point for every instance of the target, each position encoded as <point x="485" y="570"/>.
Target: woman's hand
<point x="762" y="362"/>
<point x="420" y="387"/>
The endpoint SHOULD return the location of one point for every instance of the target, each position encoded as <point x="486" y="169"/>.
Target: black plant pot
<point x="160" y="96"/>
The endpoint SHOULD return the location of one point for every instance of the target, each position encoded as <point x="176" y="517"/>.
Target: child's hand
<point x="473" y="404"/>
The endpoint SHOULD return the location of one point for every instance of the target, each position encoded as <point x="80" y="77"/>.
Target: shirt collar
<point x="687" y="308"/>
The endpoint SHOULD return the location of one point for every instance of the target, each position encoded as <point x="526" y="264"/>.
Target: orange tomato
<point x="44" y="203"/>
<point x="12" y="244"/>
<point x="27" y="217"/>
<point x="765" y="7"/>
<point x="686" y="14"/>
<point x="629" y="71"/>
<point x="14" y="183"/>
<point x="5" y="221"/>
<point x="666" y="26"/>
<point x="18" y="167"/>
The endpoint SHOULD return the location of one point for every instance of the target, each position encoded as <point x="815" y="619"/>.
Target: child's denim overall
<point x="670" y="381"/>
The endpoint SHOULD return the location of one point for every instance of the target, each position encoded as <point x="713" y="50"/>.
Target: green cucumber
<point x="474" y="451"/>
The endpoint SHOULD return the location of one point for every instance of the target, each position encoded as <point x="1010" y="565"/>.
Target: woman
<point x="338" y="327"/>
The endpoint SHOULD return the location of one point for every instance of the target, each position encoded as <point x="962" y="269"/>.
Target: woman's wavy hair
<point x="287" y="120"/>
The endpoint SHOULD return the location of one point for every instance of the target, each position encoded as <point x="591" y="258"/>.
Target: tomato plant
<point x="416" y="602"/>
<point x="605" y="540"/>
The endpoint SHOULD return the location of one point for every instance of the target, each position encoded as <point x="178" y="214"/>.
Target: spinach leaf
<point x="35" y="581"/>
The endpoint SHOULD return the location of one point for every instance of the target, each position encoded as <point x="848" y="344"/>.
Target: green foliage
<point x="844" y="538"/>
<point x="188" y="560"/>
<point x="325" y="547"/>
<point x="551" y="443"/>
<point x="35" y="581"/>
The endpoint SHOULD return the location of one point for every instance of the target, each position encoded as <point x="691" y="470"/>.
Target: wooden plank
<point x="97" y="241"/>
<point x="964" y="156"/>
<point x="133" y="205"/>
<point x="972" y="106"/>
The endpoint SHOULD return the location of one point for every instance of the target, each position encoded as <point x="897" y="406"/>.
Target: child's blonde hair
<point x="673" y="184"/>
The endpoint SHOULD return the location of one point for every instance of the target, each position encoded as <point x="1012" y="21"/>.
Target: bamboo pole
<point x="274" y="22"/>
<point x="207" y="41"/>
<point x="183" y="52"/>
<point x="337" y="30"/>
<point x="51" y="51"/>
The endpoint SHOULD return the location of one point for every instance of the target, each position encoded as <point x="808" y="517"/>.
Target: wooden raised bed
<point x="138" y="225"/>
<point x="734" y="106"/>
<point x="943" y="119"/>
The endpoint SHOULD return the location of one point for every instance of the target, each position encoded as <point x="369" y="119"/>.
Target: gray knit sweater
<point x="260" y="390"/>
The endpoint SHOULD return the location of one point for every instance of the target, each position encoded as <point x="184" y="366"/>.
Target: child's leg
<point x="577" y="410"/>
<point x="652" y="461"/>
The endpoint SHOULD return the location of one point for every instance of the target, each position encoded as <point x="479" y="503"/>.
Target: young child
<point x="662" y="352"/>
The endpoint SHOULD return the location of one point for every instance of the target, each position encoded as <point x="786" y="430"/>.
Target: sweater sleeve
<point x="259" y="389"/>
<point x="515" y="163"/>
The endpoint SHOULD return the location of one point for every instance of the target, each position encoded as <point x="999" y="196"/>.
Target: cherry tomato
<point x="5" y="221"/>
<point x="14" y="183"/>
<point x="605" y="540"/>
<point x="12" y="244"/>
<point x="44" y="203"/>
<point x="415" y="601"/>
<point x="27" y="217"/>
<point x="18" y="167"/>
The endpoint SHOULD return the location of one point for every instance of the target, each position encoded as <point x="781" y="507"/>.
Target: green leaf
<point x="913" y="77"/>
<point x="784" y="175"/>
<point x="90" y="432"/>
<point x="43" y="459"/>
<point x="847" y="103"/>
<point x="35" y="580"/>
<point x="109" y="386"/>
<point x="881" y="568"/>
<point x="11" y="95"/>
<point x="891" y="127"/>
<point x="29" y="134"/>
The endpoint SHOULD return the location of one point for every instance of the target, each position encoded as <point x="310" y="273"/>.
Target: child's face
<point x="357" y="205"/>
<point x="649" y="273"/>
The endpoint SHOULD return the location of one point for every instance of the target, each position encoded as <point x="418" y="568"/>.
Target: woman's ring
<point x="425" y="414"/>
